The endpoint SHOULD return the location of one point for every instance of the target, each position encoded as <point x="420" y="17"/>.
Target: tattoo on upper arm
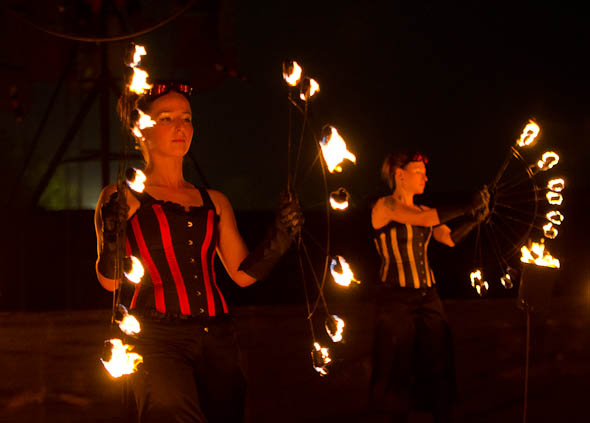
<point x="389" y="203"/>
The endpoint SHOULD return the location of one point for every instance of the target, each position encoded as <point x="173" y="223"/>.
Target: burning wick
<point x="291" y="72"/>
<point x="478" y="283"/>
<point x="538" y="255"/>
<point x="554" y="198"/>
<point x="556" y="185"/>
<point x="321" y="358"/>
<point x="139" y="51"/>
<point x="555" y="217"/>
<point x="341" y="272"/>
<point x="339" y="199"/>
<point x="334" y="149"/>
<point x="548" y="160"/>
<point x="309" y="87"/>
<point x="549" y="231"/>
<point x="135" y="179"/>
<point x="529" y="134"/>
<point x="133" y="269"/>
<point x="139" y="84"/>
<point x="335" y="327"/>
<point x="121" y="362"/>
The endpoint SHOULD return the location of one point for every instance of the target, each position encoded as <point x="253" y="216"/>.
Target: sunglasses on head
<point x="160" y="88"/>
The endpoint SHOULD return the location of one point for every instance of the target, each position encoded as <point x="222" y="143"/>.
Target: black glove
<point x="479" y="200"/>
<point x="279" y="236"/>
<point x="114" y="215"/>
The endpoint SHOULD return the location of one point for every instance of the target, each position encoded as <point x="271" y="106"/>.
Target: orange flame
<point x="555" y="217"/>
<point x="550" y="231"/>
<point x="122" y="362"/>
<point x="548" y="160"/>
<point x="339" y="199"/>
<point x="538" y="255"/>
<point x="344" y="276"/>
<point x="478" y="283"/>
<point x="129" y="325"/>
<point x="144" y="121"/>
<point x="554" y="198"/>
<point x="334" y="150"/>
<point x="308" y="88"/>
<point x="557" y="184"/>
<point x="136" y="180"/>
<point x="136" y="270"/>
<point x="139" y="84"/>
<point x="139" y="51"/>
<point x="292" y="73"/>
<point x="321" y="358"/>
<point x="529" y="134"/>
<point x="335" y="327"/>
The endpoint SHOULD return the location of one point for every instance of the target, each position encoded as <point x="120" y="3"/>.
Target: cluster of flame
<point x="334" y="151"/>
<point x="122" y="361"/>
<point x="536" y="253"/>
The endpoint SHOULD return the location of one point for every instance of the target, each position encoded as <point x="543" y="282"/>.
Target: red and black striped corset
<point x="176" y="248"/>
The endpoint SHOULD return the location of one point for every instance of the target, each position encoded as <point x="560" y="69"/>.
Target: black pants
<point x="412" y="355"/>
<point x="190" y="373"/>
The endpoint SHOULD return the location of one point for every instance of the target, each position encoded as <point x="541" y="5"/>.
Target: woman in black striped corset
<point x="412" y="354"/>
<point x="191" y="370"/>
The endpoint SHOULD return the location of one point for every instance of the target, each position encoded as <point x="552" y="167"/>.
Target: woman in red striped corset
<point x="413" y="348"/>
<point x="191" y="370"/>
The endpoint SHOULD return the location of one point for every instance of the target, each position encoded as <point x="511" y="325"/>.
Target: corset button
<point x="189" y="224"/>
<point x="192" y="259"/>
<point x="195" y="276"/>
<point x="201" y="310"/>
<point x="190" y="242"/>
<point x="199" y="293"/>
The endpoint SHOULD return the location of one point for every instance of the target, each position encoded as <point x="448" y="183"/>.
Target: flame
<point x="478" y="283"/>
<point x="335" y="327"/>
<point x="308" y="88"/>
<point x="506" y="281"/>
<point x="344" y="277"/>
<point x="529" y="134"/>
<point x="554" y="198"/>
<point x="334" y="150"/>
<point x="292" y="72"/>
<point x="339" y="199"/>
<point x="139" y="51"/>
<point x="555" y="217"/>
<point x="538" y="255"/>
<point x="557" y="184"/>
<point x="549" y="231"/>
<point x="129" y="325"/>
<point x="122" y="362"/>
<point x="134" y="270"/>
<point x="135" y="180"/>
<point x="548" y="160"/>
<point x="139" y="83"/>
<point x="144" y="121"/>
<point x="321" y="358"/>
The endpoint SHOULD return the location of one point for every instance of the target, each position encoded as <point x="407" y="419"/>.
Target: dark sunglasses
<point x="161" y="88"/>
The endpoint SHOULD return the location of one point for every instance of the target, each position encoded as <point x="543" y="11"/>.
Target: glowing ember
<point x="133" y="269"/>
<point x="139" y="51"/>
<point x="144" y="121"/>
<point x="548" y="160"/>
<point x="339" y="199"/>
<point x="555" y="217"/>
<point x="341" y="272"/>
<point x="309" y="87"/>
<point x="478" y="283"/>
<point x="538" y="255"/>
<point x="292" y="72"/>
<point x="321" y="358"/>
<point x="121" y="361"/>
<point x="556" y="185"/>
<point x="507" y="281"/>
<point x="550" y="231"/>
<point x="335" y="327"/>
<point x="529" y="134"/>
<point x="334" y="149"/>
<point x="135" y="179"/>
<point x="554" y="198"/>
